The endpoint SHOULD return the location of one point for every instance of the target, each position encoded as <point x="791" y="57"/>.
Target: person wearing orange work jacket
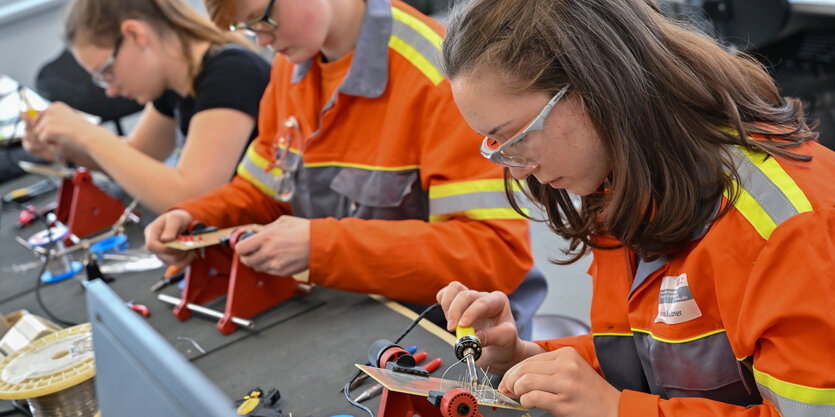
<point x="363" y="171"/>
<point x="704" y="198"/>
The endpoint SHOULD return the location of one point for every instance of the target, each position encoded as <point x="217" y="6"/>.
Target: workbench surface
<point x="305" y="347"/>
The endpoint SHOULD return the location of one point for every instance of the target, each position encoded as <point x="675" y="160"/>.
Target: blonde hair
<point x="220" y="11"/>
<point x="100" y="23"/>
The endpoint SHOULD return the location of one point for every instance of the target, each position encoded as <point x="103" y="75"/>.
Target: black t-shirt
<point x="231" y="77"/>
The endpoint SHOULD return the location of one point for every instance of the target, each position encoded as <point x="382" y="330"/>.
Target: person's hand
<point x="165" y="228"/>
<point x="490" y="316"/>
<point x="31" y="143"/>
<point x="279" y="248"/>
<point x="61" y="126"/>
<point x="562" y="383"/>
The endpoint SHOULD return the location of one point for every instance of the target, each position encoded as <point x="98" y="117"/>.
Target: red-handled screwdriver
<point x="139" y="308"/>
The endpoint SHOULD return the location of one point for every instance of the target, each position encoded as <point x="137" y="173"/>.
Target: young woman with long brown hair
<point x="202" y="88"/>
<point x="702" y="194"/>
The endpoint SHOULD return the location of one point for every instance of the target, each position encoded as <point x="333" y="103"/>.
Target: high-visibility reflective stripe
<point x="431" y="36"/>
<point x="611" y="334"/>
<point x="417" y="59"/>
<point x="754" y="213"/>
<point x="244" y="172"/>
<point x="251" y="169"/>
<point x="795" y="400"/>
<point x="689" y="339"/>
<point x="783" y="181"/>
<point x="418" y="43"/>
<point x="768" y="195"/>
<point x="482" y="214"/>
<point x="464" y="187"/>
<point x="360" y="166"/>
<point x="464" y="202"/>
<point x="479" y="199"/>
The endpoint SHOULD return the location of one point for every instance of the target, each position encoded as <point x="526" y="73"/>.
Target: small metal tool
<point x="468" y="347"/>
<point x="206" y="311"/>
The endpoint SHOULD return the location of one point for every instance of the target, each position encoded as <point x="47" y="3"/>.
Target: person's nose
<point x="264" y="39"/>
<point x="521" y="173"/>
<point x="112" y="90"/>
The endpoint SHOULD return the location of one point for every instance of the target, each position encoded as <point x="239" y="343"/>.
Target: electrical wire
<point x="347" y="389"/>
<point x="38" y="282"/>
<point x="416" y="321"/>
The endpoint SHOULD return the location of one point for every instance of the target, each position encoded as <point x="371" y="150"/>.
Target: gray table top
<point x="306" y="346"/>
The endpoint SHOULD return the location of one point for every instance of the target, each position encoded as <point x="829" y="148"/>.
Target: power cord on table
<point x="408" y="329"/>
<point x="48" y="256"/>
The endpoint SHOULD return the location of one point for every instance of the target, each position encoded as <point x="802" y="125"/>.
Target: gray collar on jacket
<point x="368" y="74"/>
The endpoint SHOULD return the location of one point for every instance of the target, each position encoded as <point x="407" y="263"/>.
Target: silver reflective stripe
<point x="765" y="192"/>
<point x="418" y="42"/>
<point x="267" y="183"/>
<point x="469" y="201"/>
<point x="792" y="408"/>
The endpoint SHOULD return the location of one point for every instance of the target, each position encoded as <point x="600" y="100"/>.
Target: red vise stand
<point x="456" y="402"/>
<point x="84" y="207"/>
<point x="247" y="291"/>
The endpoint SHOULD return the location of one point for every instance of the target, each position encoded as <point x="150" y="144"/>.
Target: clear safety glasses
<point x="516" y="152"/>
<point x="104" y="75"/>
<point x="263" y="24"/>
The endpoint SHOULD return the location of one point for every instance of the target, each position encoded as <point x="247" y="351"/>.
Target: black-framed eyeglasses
<point x="104" y="75"/>
<point x="263" y="24"/>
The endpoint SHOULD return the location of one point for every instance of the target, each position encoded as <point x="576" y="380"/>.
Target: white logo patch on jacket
<point x="675" y="301"/>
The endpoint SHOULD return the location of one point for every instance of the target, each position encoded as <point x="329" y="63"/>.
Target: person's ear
<point x="137" y="31"/>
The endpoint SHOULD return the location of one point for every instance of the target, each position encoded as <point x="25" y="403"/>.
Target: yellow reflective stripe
<point x="689" y="339"/>
<point x="259" y="160"/>
<point x="772" y="169"/>
<point x="417" y="59"/>
<point x="360" y="166"/>
<point x="753" y="212"/>
<point x="612" y="334"/>
<point x="433" y="37"/>
<point x="258" y="184"/>
<point x="795" y="392"/>
<point x="482" y="214"/>
<point x="466" y="187"/>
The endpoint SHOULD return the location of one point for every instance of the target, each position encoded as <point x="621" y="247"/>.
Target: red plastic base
<point x="247" y="291"/>
<point x="399" y="404"/>
<point x="456" y="402"/>
<point x="84" y="207"/>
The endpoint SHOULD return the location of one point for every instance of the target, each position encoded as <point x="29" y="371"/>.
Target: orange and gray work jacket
<point x="743" y="323"/>
<point x="401" y="201"/>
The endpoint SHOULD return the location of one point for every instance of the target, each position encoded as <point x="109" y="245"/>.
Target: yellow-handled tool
<point x="467" y="343"/>
<point x="29" y="109"/>
<point x="468" y="348"/>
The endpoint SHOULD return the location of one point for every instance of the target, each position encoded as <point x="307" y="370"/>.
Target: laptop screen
<point x="138" y="373"/>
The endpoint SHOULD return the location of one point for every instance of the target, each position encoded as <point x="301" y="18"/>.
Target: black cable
<point x="39" y="283"/>
<point x="347" y="389"/>
<point x="351" y="400"/>
<point x="416" y="321"/>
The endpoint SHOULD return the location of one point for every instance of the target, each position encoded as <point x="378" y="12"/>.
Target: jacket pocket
<point x="704" y="367"/>
<point x="386" y="195"/>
